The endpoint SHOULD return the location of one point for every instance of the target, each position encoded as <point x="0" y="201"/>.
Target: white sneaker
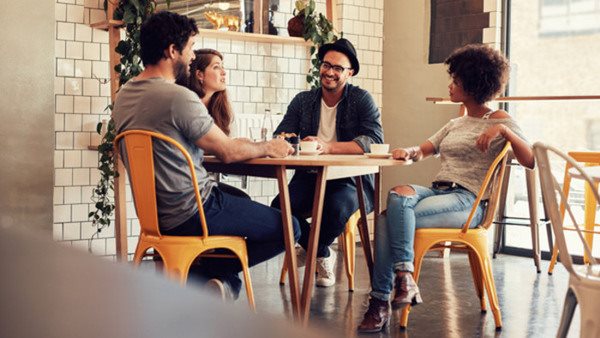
<point x="325" y="270"/>
<point x="300" y="256"/>
<point x="219" y="289"/>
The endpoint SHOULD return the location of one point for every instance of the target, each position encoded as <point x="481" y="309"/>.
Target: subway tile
<point x="97" y="15"/>
<point x="59" y="158"/>
<point x="100" y="70"/>
<point x="110" y="231"/>
<point x="91" y="51"/>
<point x="74" y="50"/>
<point x="89" y="159"/>
<point x="237" y="47"/>
<point x="224" y="45"/>
<point x="251" y="48"/>
<point x="59" y="122"/>
<point x="63" y="177"/>
<point x="243" y="94"/>
<point x="72" y="195"/>
<point x="369" y="3"/>
<point x="250" y="78"/>
<point x="231" y="92"/>
<point x="374" y="15"/>
<point x="65" y="67"/>
<point x="277" y="49"/>
<point x="289" y="50"/>
<point x="105" y="89"/>
<point x="59" y="49"/>
<point x="301" y="52"/>
<point x="83" y="68"/>
<point x="282" y="65"/>
<point x="351" y="12"/>
<point x="257" y="62"/>
<point x="243" y="62"/>
<point x="65" y="31"/>
<point x="256" y="94"/>
<point x="363" y="42"/>
<point x="264" y="49"/>
<point x="99" y="36"/>
<point x="104" y="52"/>
<point x="249" y="108"/>
<point x="81" y="140"/>
<point x="288" y="81"/>
<point x="230" y="61"/>
<point x="91" y="87"/>
<point x="270" y="95"/>
<point x="81" y="104"/>
<point x="270" y="64"/>
<point x="294" y="65"/>
<point x="80" y="245"/>
<point x="379" y="30"/>
<point x="236" y="77"/>
<point x="87" y="230"/>
<point x="60" y="12"/>
<point x="363" y="15"/>
<point x="72" y="158"/>
<point x="83" y="32"/>
<point x="282" y="95"/>
<point x="263" y="79"/>
<point x="72" y="122"/>
<point x="57" y="233"/>
<point x="79" y="212"/>
<point x="72" y="86"/>
<point x="378" y="58"/>
<point x="64" y="140"/>
<point x="62" y="213"/>
<point x="99" y="105"/>
<point x="64" y="104"/>
<point x="94" y="175"/>
<point x="300" y="80"/>
<point x="75" y="13"/>
<point x="209" y="43"/>
<point x="81" y="176"/>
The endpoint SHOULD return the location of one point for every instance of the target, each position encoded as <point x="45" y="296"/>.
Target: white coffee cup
<point x="380" y="148"/>
<point x="309" y="146"/>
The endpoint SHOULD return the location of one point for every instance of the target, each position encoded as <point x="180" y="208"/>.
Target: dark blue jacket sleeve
<point x="370" y="127"/>
<point x="291" y="119"/>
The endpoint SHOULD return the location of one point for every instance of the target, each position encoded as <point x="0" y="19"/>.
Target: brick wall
<point x="260" y="75"/>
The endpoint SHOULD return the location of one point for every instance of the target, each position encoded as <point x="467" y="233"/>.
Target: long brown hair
<point x="218" y="106"/>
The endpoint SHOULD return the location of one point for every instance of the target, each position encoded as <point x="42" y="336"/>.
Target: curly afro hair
<point x="481" y="70"/>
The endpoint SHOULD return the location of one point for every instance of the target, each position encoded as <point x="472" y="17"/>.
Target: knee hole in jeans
<point x="403" y="190"/>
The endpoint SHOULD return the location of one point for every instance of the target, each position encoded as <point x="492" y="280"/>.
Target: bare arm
<point x="415" y="153"/>
<point x="232" y="150"/>
<point x="350" y="147"/>
<point x="522" y="150"/>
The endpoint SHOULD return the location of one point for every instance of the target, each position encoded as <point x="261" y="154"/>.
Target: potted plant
<point x="316" y="28"/>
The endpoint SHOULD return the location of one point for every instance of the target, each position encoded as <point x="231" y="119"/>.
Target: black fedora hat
<point x="343" y="46"/>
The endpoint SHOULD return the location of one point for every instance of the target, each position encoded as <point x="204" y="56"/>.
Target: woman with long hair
<point x="208" y="80"/>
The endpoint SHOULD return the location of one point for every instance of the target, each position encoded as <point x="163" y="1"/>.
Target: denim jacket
<point x="358" y="119"/>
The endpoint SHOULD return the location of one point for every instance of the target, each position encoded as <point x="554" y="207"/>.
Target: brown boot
<point x="376" y="316"/>
<point x="407" y="291"/>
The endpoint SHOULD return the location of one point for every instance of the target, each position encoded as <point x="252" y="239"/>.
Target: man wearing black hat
<point x="343" y="119"/>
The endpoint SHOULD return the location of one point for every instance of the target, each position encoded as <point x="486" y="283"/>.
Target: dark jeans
<point x="237" y="216"/>
<point x="340" y="203"/>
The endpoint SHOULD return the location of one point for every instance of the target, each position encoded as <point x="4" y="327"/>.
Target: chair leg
<point x="490" y="287"/>
<point x="477" y="279"/>
<point x="283" y="270"/>
<point x="567" y="314"/>
<point x="553" y="259"/>
<point x="348" y="245"/>
<point x="501" y="212"/>
<point x="420" y="250"/>
<point x="248" y="284"/>
<point x="533" y="217"/>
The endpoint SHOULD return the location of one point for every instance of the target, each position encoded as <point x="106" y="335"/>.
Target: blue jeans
<point x="236" y="216"/>
<point x="395" y="235"/>
<point x="340" y="202"/>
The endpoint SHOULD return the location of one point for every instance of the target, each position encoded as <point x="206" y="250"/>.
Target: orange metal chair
<point x="177" y="252"/>
<point x="587" y="158"/>
<point x="474" y="241"/>
<point x="347" y="243"/>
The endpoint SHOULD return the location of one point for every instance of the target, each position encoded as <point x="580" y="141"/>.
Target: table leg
<point x="590" y="218"/>
<point x="363" y="228"/>
<point x="313" y="241"/>
<point x="533" y="217"/>
<point x="288" y="233"/>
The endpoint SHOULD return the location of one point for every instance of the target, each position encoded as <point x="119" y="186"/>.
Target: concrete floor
<point x="531" y="303"/>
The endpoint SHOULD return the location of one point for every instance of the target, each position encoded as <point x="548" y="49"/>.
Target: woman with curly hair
<point x="467" y="146"/>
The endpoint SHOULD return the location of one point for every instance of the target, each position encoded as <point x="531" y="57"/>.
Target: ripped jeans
<point x="395" y="234"/>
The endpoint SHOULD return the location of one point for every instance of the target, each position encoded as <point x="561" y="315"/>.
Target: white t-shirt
<point x="327" y="132"/>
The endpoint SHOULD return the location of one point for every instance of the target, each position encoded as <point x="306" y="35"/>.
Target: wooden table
<point x="326" y="167"/>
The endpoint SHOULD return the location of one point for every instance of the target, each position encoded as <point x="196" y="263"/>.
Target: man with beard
<point x="343" y="119"/>
<point x="152" y="101"/>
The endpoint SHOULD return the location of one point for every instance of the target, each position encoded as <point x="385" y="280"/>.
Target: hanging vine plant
<point x="133" y="13"/>
<point x="319" y="30"/>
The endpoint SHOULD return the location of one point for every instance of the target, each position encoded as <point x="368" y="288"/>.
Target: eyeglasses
<point x="336" y="68"/>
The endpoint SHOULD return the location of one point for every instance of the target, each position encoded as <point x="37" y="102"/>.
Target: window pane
<point x="554" y="47"/>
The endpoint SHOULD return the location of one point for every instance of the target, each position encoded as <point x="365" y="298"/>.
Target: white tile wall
<point x="260" y="75"/>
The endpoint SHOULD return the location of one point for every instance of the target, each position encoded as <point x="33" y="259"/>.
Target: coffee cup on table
<point x="309" y="146"/>
<point x="380" y="148"/>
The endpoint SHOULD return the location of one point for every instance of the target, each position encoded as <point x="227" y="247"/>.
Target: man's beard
<point x="335" y="82"/>
<point x="181" y="71"/>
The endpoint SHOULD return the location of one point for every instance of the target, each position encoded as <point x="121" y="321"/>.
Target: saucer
<point x="371" y="155"/>
<point x="310" y="153"/>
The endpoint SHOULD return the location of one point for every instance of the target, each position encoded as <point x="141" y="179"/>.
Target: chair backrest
<point x="139" y="151"/>
<point x="550" y="190"/>
<point x="493" y="180"/>
<point x="584" y="157"/>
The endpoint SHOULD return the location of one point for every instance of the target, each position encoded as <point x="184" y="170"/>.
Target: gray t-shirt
<point x="462" y="161"/>
<point x="175" y="111"/>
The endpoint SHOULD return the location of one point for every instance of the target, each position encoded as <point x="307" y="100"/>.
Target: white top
<point x="327" y="121"/>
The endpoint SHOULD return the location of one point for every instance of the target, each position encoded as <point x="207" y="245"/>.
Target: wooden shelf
<point x="107" y="23"/>
<point x="253" y="37"/>
<point x="445" y="100"/>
